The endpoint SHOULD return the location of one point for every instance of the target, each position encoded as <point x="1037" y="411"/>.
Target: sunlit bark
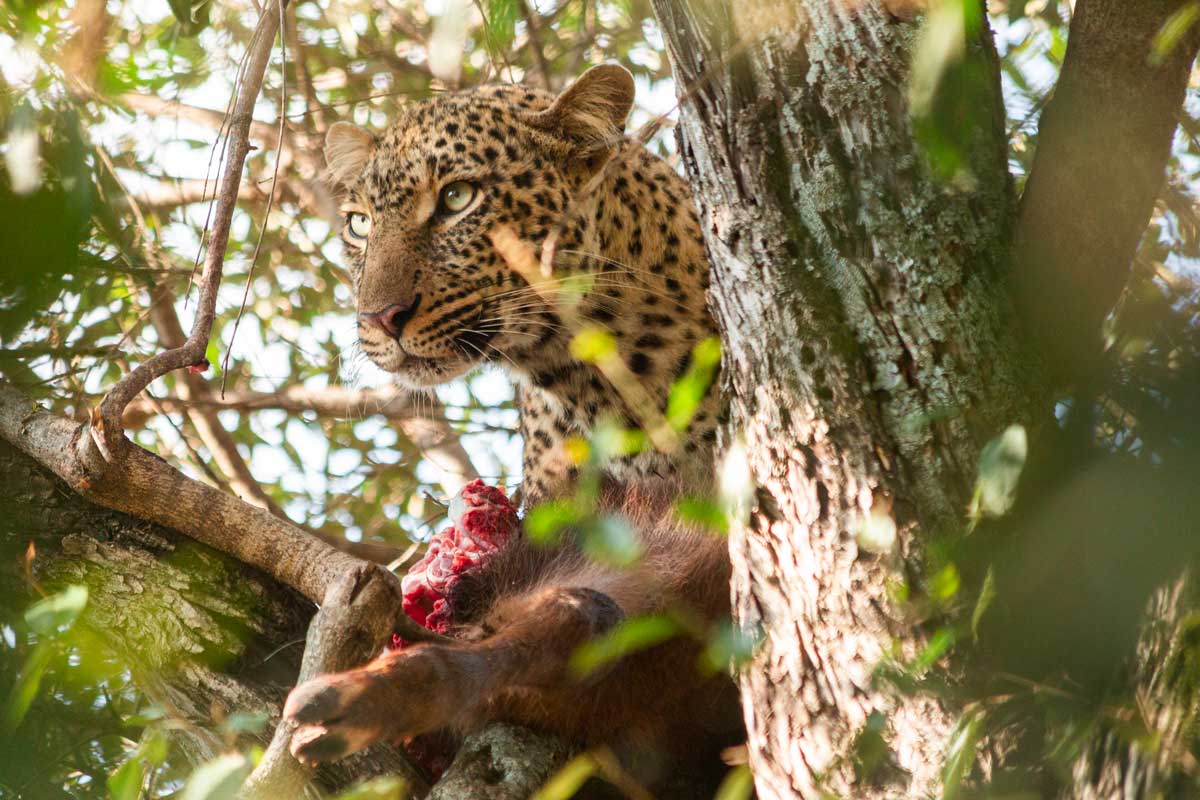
<point x="868" y="351"/>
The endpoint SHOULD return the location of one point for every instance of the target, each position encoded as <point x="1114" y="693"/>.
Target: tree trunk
<point x="869" y="354"/>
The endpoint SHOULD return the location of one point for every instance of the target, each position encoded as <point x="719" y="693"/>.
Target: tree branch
<point x="158" y="612"/>
<point x="150" y="489"/>
<point x="156" y="106"/>
<point x="191" y="386"/>
<point x="221" y="445"/>
<point x="84" y="52"/>
<point x="107" y="436"/>
<point x="349" y="618"/>
<point x="360" y="603"/>
<point x="424" y="425"/>
<point x="335" y="402"/>
<point x="1103" y="144"/>
<point x="535" y="44"/>
<point x="501" y="762"/>
<point x="303" y="78"/>
<point x="169" y="194"/>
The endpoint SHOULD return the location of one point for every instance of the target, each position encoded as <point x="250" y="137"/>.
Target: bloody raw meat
<point x="482" y="521"/>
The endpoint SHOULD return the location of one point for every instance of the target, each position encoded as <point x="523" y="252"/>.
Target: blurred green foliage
<point x="388" y="788"/>
<point x="70" y="715"/>
<point x="1041" y="592"/>
<point x="107" y="149"/>
<point x="47" y="619"/>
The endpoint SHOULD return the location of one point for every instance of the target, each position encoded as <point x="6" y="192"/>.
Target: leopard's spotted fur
<point x="452" y="299"/>
<point x="623" y="217"/>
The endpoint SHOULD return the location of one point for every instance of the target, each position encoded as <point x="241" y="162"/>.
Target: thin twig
<point x="535" y="42"/>
<point x="262" y="230"/>
<point x="106" y="430"/>
<point x="220" y="144"/>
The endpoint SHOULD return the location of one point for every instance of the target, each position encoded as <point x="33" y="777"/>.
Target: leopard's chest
<point x="583" y="424"/>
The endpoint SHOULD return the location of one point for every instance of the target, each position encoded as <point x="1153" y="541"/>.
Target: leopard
<point x="435" y="298"/>
<point x="489" y="227"/>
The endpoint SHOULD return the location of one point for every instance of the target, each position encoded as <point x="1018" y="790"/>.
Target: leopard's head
<point x="423" y="203"/>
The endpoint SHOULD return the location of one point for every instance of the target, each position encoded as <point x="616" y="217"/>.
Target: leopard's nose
<point x="392" y="319"/>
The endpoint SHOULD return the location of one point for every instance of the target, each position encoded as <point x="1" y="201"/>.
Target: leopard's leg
<point x="432" y="686"/>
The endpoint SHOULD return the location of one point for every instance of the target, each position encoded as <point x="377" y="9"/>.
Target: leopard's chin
<point x="418" y="372"/>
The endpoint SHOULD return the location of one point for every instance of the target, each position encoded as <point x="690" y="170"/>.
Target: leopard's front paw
<point x="335" y="716"/>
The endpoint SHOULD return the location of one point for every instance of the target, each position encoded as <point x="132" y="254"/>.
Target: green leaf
<point x="871" y="752"/>
<point x="987" y="593"/>
<point x="58" y="611"/>
<point x="125" y="783"/>
<point x="182" y="9"/>
<point x="388" y="787"/>
<point x="944" y="583"/>
<point x="877" y="532"/>
<point x="147" y="716"/>
<point x="737" y="785"/>
<point x="610" y="539"/>
<point x="1000" y="466"/>
<point x="192" y="15"/>
<point x="688" y="392"/>
<point x="568" y="780"/>
<point x="593" y="344"/>
<point x="26" y="688"/>
<point x="610" y="440"/>
<point x="736" y="480"/>
<point x="219" y="779"/>
<point x="939" y="643"/>
<point x="728" y="647"/>
<point x="213" y="353"/>
<point x="630" y="636"/>
<point x="960" y="753"/>
<point x="950" y="73"/>
<point x="544" y="523"/>
<point x="502" y="16"/>
<point x="242" y="722"/>
<point x="702" y="512"/>
<point x="155" y="748"/>
<point x="1172" y="32"/>
<point x="942" y="42"/>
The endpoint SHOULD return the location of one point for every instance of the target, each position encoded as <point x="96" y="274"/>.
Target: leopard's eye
<point x="359" y="225"/>
<point x="455" y="197"/>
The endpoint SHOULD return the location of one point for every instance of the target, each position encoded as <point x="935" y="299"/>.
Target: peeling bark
<point x="868" y="351"/>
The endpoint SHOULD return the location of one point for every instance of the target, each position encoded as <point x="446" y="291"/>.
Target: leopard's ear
<point x="591" y="113"/>
<point x="347" y="150"/>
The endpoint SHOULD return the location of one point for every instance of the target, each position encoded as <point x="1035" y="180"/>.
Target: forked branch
<point x="360" y="602"/>
<point x="1103" y="144"/>
<point x="107" y="433"/>
<point x="353" y="622"/>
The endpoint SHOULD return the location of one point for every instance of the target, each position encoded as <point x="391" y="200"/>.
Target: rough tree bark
<point x="203" y="634"/>
<point x="869" y="352"/>
<point x="870" y="342"/>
